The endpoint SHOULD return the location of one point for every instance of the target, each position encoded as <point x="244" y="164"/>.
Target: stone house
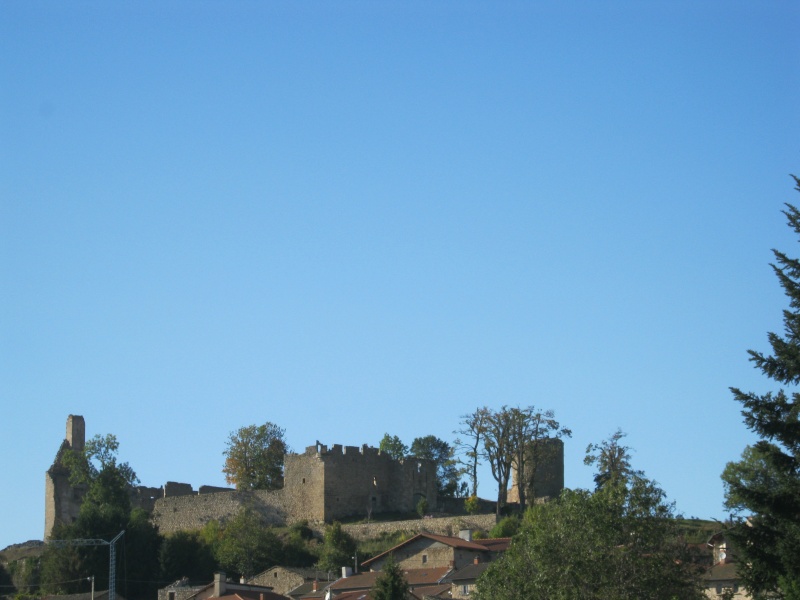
<point x="290" y="581"/>
<point x="722" y="578"/>
<point x="219" y="588"/>
<point x="462" y="582"/>
<point x="362" y="583"/>
<point x="427" y="551"/>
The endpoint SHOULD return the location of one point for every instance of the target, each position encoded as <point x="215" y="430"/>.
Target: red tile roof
<point x="493" y="545"/>
<point x="414" y="577"/>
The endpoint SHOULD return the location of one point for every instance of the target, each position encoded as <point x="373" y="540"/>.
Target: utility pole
<point x="112" y="558"/>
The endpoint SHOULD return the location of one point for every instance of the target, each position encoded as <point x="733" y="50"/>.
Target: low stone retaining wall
<point x="440" y="526"/>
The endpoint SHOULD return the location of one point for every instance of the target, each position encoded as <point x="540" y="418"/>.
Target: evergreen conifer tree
<point x="765" y="484"/>
<point x="391" y="584"/>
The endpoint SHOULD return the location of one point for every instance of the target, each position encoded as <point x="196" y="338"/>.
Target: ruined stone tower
<point x="62" y="501"/>
<point x="547" y="458"/>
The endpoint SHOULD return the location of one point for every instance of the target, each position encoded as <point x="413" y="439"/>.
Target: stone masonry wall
<point x="362" y="481"/>
<point x="441" y="526"/>
<point x="193" y="512"/>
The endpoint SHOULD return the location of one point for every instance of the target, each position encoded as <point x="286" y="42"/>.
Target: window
<point x="172" y="596"/>
<point x="424" y="559"/>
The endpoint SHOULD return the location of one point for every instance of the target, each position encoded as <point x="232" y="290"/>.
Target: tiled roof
<point x="250" y="595"/>
<point x="360" y="595"/>
<point x="495" y="545"/>
<point x="414" y="577"/>
<point x="721" y="572"/>
<point x="468" y="573"/>
<point x="432" y="591"/>
<point x="98" y="595"/>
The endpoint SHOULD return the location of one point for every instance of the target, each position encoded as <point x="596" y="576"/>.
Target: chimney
<point x="346" y="572"/>
<point x="314" y="586"/>
<point x="476" y="560"/>
<point x="261" y="596"/>
<point x="219" y="584"/>
<point x="465" y="534"/>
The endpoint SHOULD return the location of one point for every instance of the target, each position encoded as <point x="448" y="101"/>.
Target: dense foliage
<point x="441" y="453"/>
<point x="338" y="549"/>
<point x="254" y="457"/>
<point x="765" y="483"/>
<point x="391" y="584"/>
<point x="617" y="543"/>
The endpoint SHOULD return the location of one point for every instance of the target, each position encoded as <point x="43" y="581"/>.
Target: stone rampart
<point x="193" y="512"/>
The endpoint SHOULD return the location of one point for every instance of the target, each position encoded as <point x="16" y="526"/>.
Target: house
<point x="463" y="581"/>
<point x="221" y="588"/>
<point x="722" y="578"/>
<point x="363" y="582"/>
<point x="428" y="550"/>
<point x="293" y="582"/>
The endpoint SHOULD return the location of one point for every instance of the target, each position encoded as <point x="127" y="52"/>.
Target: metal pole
<point x="112" y="567"/>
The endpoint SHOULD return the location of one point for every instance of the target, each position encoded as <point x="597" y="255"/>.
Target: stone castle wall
<point x="320" y="485"/>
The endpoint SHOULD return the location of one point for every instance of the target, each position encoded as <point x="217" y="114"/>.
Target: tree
<point x="766" y="481"/>
<point x="254" y="457"/>
<point x="613" y="461"/>
<point x="519" y="438"/>
<point x="391" y="584"/>
<point x="247" y="546"/>
<point x="470" y="443"/>
<point x="338" y="548"/>
<point x="499" y="451"/>
<point x="186" y="554"/>
<point x="620" y="544"/>
<point x="391" y="445"/>
<point x="432" y="448"/>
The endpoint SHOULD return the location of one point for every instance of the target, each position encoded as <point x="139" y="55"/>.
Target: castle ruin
<point x="320" y="485"/>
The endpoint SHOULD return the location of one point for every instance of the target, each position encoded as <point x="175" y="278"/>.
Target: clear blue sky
<point x="352" y="218"/>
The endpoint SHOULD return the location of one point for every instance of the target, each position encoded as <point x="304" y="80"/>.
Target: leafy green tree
<point x="432" y="448"/>
<point x="391" y="445"/>
<point x="472" y="505"/>
<point x="186" y="554"/>
<point x="422" y="507"/>
<point x="391" y="584"/>
<point x="254" y="457"/>
<point x="247" y="546"/>
<point x="506" y="527"/>
<point x="621" y="543"/>
<point x="612" y="459"/>
<point x="338" y="549"/>
<point x="766" y="482"/>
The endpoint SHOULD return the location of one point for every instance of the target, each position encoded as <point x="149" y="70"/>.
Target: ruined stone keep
<point x="547" y="461"/>
<point x="321" y="485"/>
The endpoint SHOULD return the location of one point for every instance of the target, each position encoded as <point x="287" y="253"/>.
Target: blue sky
<point x="355" y="218"/>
